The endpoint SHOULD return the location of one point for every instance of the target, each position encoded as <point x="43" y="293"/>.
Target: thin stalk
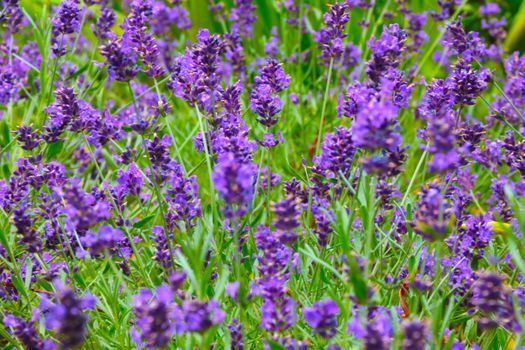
<point x="323" y="109"/>
<point x="206" y="150"/>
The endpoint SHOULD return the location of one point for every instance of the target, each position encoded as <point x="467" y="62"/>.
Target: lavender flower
<point x="120" y="60"/>
<point x="29" y="139"/>
<point x="243" y="17"/>
<point x="182" y="198"/>
<point x="330" y="38"/>
<point x="466" y="84"/>
<point x="386" y="51"/>
<point x="376" y="127"/>
<point x="414" y="335"/>
<point x="162" y="247"/>
<point x="271" y="80"/>
<point x="66" y="315"/>
<point x="67" y="18"/>
<point x="236" y="335"/>
<point x="432" y="213"/>
<point x="198" y="316"/>
<point x="106" y="238"/>
<point x="155" y="315"/>
<point x="104" y="22"/>
<point x="11" y="16"/>
<point x="234" y="181"/>
<point x="9" y="85"/>
<point x="322" y="317"/>
<point x="25" y="331"/>
<point x="337" y="152"/>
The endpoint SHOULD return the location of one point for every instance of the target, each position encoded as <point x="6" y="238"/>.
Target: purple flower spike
<point x="243" y="17"/>
<point x="234" y="181"/>
<point x="330" y="37"/>
<point x="322" y="317"/>
<point x="66" y="315"/>
<point x="155" y="315"/>
<point x="414" y="335"/>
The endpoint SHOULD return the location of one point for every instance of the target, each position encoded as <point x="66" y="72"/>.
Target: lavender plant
<point x="262" y="174"/>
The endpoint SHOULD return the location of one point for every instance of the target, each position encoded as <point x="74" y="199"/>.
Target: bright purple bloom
<point x="104" y="22"/>
<point x="199" y="316"/>
<point x="120" y="60"/>
<point x="106" y="238"/>
<point x="386" y="51"/>
<point x="234" y="181"/>
<point x="65" y="316"/>
<point x="330" y="37"/>
<point x="414" y="335"/>
<point x="67" y="18"/>
<point x="243" y="17"/>
<point x="322" y="317"/>
<point x="155" y="315"/>
<point x="26" y="332"/>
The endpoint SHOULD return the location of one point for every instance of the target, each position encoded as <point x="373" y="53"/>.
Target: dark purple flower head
<point x="104" y="22"/>
<point x="198" y="316"/>
<point x="106" y="238"/>
<point x="467" y="84"/>
<point x="265" y="105"/>
<point x="386" y="51"/>
<point x="67" y="18"/>
<point x="447" y="9"/>
<point x="243" y="17"/>
<point x="460" y="43"/>
<point x="375" y="127"/>
<point x="432" y="213"/>
<point x="182" y="197"/>
<point x="322" y="317"/>
<point x="330" y="37"/>
<point x="514" y="153"/>
<point x="337" y="152"/>
<point x="414" y="335"/>
<point x="441" y="135"/>
<point x="26" y="332"/>
<point x="27" y="137"/>
<point x="377" y="331"/>
<point x="120" y="60"/>
<point x="287" y="213"/>
<point x="139" y="40"/>
<point x="277" y="315"/>
<point x="488" y="292"/>
<point x="130" y="180"/>
<point x="9" y="85"/>
<point x="234" y="181"/>
<point x="489" y="9"/>
<point x="271" y="80"/>
<point x="235" y="328"/>
<point x="162" y="247"/>
<point x="24" y="223"/>
<point x="495" y="27"/>
<point x="155" y="315"/>
<point x="234" y="53"/>
<point x="83" y="210"/>
<point x="357" y="98"/>
<point x="11" y="16"/>
<point x="65" y="316"/>
<point x="176" y="280"/>
<point x="273" y="75"/>
<point x="163" y="17"/>
<point x="195" y="75"/>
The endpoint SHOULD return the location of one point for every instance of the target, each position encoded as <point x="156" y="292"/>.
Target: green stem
<point x="323" y="109"/>
<point x="206" y="150"/>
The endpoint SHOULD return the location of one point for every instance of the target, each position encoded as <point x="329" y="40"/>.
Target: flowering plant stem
<point x="323" y="108"/>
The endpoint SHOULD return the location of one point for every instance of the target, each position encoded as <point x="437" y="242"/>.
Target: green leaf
<point x="142" y="222"/>
<point x="54" y="149"/>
